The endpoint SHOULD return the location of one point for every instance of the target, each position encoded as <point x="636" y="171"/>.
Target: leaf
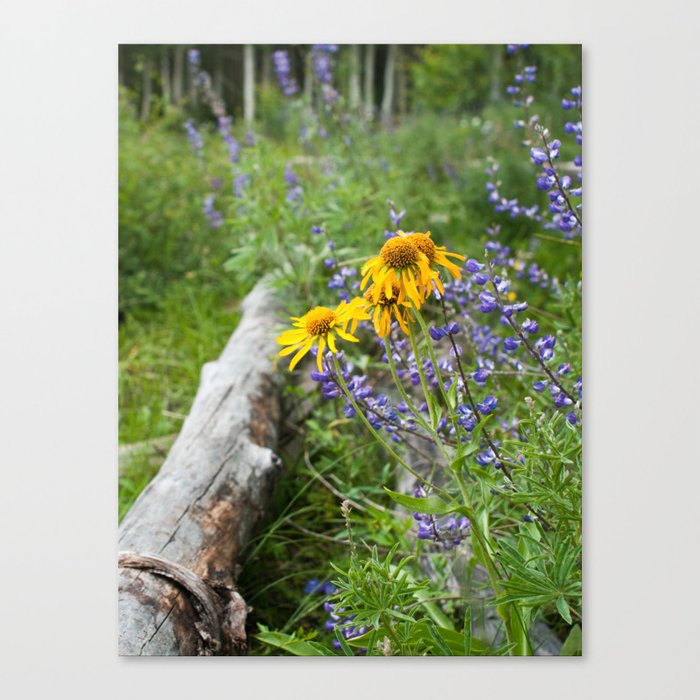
<point x="439" y="641"/>
<point x="289" y="643"/>
<point x="433" y="504"/>
<point x="468" y="632"/>
<point x="573" y="646"/>
<point x="563" y="608"/>
<point x="343" y="644"/>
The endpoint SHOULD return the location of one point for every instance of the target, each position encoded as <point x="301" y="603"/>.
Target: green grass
<point x="160" y="359"/>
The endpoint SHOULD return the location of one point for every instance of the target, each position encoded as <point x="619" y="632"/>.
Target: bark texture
<point x="180" y="541"/>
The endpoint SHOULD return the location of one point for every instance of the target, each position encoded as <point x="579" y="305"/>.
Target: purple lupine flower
<point x="538" y="156"/>
<point x="283" y="69"/>
<point x="571" y="418"/>
<point x="214" y="216"/>
<point x="322" y="64"/>
<point x="290" y="177"/>
<point x="396" y="218"/>
<point x="194" y="58"/>
<point x="561" y="399"/>
<point x="194" y="137"/>
<point x="480" y="376"/>
<point x="447" y="531"/>
<point x="317" y="229"/>
<point x="539" y="386"/>
<point x="488" y="302"/>
<point x="530" y="326"/>
<point x="487" y="405"/>
<point x="473" y="265"/>
<point x="436" y="333"/>
<point x="240" y="184"/>
<point x="545" y="347"/>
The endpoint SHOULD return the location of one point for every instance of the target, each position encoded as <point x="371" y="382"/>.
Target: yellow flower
<point x="318" y="326"/>
<point x="385" y="308"/>
<point x="437" y="255"/>
<point x="402" y="264"/>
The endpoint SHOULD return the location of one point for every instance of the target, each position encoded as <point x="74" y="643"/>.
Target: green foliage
<point x="455" y="78"/>
<point x="179" y="285"/>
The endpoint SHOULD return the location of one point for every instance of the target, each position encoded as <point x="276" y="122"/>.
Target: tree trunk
<point x="354" y="88"/>
<point x="402" y="84"/>
<point x="180" y="541"/>
<point x="248" y="84"/>
<point x="165" y="78"/>
<point x="370" y="52"/>
<point x="388" y="96"/>
<point x="146" y="89"/>
<point x="179" y="75"/>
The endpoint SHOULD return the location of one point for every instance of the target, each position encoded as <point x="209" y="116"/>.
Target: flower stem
<point x="375" y="434"/>
<point x="436" y="368"/>
<point x="411" y="406"/>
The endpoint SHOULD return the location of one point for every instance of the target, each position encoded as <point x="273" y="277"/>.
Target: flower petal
<point x="304" y="349"/>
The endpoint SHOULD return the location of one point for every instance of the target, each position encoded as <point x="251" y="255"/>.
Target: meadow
<point x="451" y="432"/>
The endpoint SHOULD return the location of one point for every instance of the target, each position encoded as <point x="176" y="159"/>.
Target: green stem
<point x="421" y="374"/>
<point x="436" y="369"/>
<point x="375" y="434"/>
<point x="411" y="406"/>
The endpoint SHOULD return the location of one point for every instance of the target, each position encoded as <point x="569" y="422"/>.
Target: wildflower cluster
<point x="283" y="69"/>
<point x="398" y="280"/>
<point x="447" y="531"/>
<point x="240" y="179"/>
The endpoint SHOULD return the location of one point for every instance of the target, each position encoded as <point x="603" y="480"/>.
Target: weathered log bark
<point x="180" y="541"/>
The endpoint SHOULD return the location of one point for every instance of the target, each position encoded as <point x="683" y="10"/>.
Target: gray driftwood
<point x="180" y="541"/>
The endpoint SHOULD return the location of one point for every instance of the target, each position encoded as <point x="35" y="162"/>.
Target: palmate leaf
<point x="573" y="646"/>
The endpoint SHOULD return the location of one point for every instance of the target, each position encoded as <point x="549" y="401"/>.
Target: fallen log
<point x="180" y="541"/>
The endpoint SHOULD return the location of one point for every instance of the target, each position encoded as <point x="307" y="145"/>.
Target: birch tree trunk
<point x="248" y="84"/>
<point x="370" y="52"/>
<point x="354" y="88"/>
<point x="388" y="96"/>
<point x="178" y="75"/>
<point x="165" y="78"/>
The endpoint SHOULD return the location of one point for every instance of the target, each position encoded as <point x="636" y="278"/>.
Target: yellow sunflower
<point x="318" y="326"/>
<point x="385" y="308"/>
<point x="437" y="255"/>
<point x="399" y="263"/>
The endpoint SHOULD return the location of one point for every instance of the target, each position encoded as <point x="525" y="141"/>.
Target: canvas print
<point x="350" y="350"/>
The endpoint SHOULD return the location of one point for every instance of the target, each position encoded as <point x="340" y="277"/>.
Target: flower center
<point x="424" y="244"/>
<point x="399" y="253"/>
<point x="382" y="300"/>
<point x="320" y="320"/>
